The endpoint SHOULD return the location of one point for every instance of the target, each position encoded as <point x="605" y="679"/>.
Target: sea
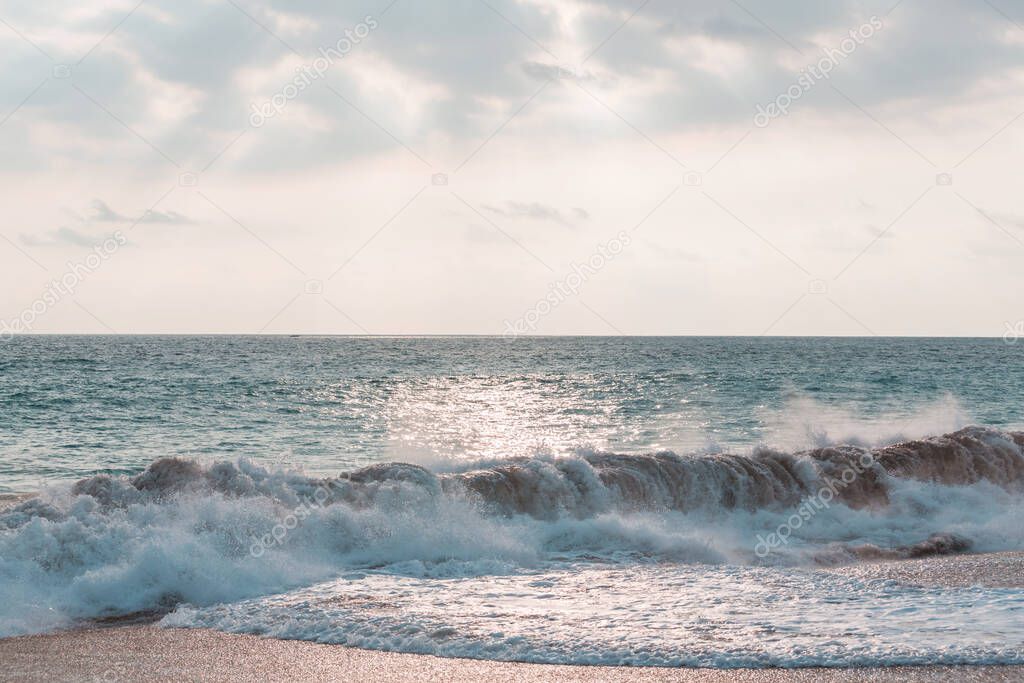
<point x="657" y="501"/>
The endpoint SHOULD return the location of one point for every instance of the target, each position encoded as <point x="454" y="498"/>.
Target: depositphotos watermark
<point x="569" y="285"/>
<point x="300" y="514"/>
<point x="810" y="75"/>
<point x="812" y="505"/>
<point x="1013" y="332"/>
<point x="308" y="73"/>
<point x="64" y="286"/>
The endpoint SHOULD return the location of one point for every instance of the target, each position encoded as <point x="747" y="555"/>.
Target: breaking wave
<point x="181" y="532"/>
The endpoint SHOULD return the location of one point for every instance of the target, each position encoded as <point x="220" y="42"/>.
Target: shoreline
<point x="148" y="652"/>
<point x="134" y="647"/>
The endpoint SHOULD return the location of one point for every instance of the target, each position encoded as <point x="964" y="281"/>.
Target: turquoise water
<point x="560" y="500"/>
<point x="72" y="406"/>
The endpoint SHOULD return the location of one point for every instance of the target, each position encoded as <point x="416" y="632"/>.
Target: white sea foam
<point x="805" y="422"/>
<point x="593" y="557"/>
<point x="643" y="614"/>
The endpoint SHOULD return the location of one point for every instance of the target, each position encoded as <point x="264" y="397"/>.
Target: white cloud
<point x="455" y="89"/>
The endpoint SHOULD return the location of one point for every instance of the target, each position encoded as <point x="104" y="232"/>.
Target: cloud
<point x="169" y="217"/>
<point x="100" y="212"/>
<point x="184" y="75"/>
<point x="104" y="214"/>
<point x="60" y="236"/>
<point x="542" y="71"/>
<point x="538" y="211"/>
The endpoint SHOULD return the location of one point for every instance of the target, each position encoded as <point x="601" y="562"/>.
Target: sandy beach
<point x="133" y="652"/>
<point x="511" y="340"/>
<point x="136" y="653"/>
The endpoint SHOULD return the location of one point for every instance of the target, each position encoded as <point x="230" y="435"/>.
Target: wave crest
<point x="181" y="531"/>
<point x="594" y="483"/>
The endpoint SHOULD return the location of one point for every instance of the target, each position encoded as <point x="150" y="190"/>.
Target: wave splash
<point x="183" y="532"/>
<point x="593" y="483"/>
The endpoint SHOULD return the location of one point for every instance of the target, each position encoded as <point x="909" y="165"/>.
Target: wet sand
<point x="137" y="652"/>
<point x="992" y="570"/>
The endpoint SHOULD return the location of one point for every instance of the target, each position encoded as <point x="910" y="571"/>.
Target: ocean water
<point x="663" y="501"/>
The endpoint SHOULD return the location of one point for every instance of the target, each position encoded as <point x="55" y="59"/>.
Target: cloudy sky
<point x="475" y="166"/>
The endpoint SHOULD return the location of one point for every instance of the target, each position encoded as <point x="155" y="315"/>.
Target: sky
<point x="512" y="167"/>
